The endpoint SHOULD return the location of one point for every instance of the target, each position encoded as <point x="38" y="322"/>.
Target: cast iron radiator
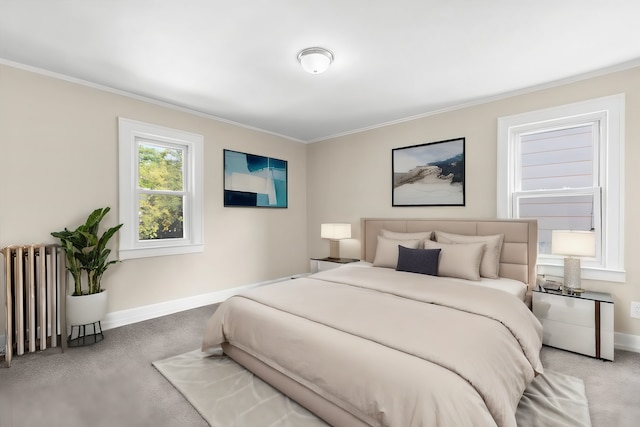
<point x="35" y="302"/>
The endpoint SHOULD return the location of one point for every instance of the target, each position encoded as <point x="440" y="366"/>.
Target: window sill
<point x="159" y="251"/>
<point x="588" y="273"/>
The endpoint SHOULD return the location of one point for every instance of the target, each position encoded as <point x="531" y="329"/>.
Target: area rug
<point x="227" y="395"/>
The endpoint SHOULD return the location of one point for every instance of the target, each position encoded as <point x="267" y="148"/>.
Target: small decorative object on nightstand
<point x="335" y="232"/>
<point x="579" y="323"/>
<point x="322" y="264"/>
<point x="573" y="244"/>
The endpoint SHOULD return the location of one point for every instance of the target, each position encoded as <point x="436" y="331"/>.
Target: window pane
<point x="556" y="159"/>
<point x="159" y="168"/>
<point x="161" y="217"/>
<point x="557" y="213"/>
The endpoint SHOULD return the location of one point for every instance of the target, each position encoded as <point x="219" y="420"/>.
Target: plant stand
<point x="84" y="314"/>
<point x="82" y="338"/>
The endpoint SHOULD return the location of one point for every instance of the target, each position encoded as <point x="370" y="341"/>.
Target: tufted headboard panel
<point x="519" y="249"/>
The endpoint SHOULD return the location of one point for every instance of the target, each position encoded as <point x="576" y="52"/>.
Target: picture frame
<point x="256" y="181"/>
<point x="430" y="174"/>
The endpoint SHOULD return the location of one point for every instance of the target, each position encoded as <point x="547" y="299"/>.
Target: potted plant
<point x="87" y="259"/>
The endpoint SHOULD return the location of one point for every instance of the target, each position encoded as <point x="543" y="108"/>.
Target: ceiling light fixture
<point x="315" y="60"/>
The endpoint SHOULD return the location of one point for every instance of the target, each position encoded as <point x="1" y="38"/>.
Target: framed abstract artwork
<point x="254" y="181"/>
<point x="430" y="174"/>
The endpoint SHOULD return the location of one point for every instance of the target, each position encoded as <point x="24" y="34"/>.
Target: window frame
<point x="130" y="133"/>
<point x="610" y="112"/>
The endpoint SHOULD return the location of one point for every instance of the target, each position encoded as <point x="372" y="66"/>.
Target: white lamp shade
<point x="335" y="231"/>
<point x="573" y="243"/>
<point x="315" y="60"/>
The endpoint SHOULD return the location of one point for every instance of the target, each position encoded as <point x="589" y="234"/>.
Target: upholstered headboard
<point x="519" y="248"/>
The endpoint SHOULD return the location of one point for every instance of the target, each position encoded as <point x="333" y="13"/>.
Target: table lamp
<point x="573" y="244"/>
<point x="335" y="232"/>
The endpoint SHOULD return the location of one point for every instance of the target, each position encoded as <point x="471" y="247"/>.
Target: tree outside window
<point x="161" y="192"/>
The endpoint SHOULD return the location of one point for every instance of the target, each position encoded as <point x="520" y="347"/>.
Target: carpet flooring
<point x="113" y="383"/>
<point x="227" y="395"/>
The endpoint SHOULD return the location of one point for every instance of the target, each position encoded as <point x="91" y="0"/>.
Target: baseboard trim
<point x="119" y="318"/>
<point x="126" y="317"/>
<point x="627" y="342"/>
<point x="116" y="319"/>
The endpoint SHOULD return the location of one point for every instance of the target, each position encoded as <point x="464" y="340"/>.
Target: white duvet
<point x="392" y="348"/>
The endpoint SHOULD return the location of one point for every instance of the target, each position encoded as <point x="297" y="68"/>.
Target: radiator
<point x="35" y="298"/>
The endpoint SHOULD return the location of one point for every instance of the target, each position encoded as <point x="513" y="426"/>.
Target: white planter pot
<point x="86" y="309"/>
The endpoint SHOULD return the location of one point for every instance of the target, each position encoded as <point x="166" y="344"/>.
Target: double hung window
<point x="564" y="166"/>
<point x="160" y="190"/>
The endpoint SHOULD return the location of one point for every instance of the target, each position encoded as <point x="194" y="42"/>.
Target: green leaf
<point x="86" y="250"/>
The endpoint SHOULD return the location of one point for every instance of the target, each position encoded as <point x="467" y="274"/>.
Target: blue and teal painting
<point x="254" y="181"/>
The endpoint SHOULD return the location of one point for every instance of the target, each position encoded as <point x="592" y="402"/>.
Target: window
<point x="160" y="191"/>
<point x="564" y="166"/>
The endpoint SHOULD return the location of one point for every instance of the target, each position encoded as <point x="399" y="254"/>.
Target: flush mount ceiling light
<point x="315" y="60"/>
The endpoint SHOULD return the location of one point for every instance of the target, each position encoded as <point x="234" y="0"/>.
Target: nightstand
<point x="579" y="323"/>
<point x="322" y="264"/>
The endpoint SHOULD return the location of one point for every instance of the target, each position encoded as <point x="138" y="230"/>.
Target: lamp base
<point x="572" y="279"/>
<point x="334" y="248"/>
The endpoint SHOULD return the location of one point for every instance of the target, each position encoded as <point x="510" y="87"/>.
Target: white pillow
<point x="387" y="251"/>
<point x="460" y="260"/>
<point x="422" y="235"/>
<point x="490" y="265"/>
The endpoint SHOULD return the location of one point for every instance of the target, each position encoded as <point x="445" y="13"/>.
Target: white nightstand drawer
<point x="567" y="310"/>
<point x="569" y="337"/>
<point x="323" y="264"/>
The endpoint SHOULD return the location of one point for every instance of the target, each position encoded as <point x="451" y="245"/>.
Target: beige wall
<point x="350" y="177"/>
<point x="59" y="161"/>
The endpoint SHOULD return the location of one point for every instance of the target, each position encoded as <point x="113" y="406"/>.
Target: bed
<point x="369" y="345"/>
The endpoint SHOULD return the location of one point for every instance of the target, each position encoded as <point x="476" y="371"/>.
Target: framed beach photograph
<point x="255" y="181"/>
<point x="430" y="174"/>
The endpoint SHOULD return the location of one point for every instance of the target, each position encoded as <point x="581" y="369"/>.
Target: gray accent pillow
<point x="423" y="261"/>
<point x="460" y="260"/>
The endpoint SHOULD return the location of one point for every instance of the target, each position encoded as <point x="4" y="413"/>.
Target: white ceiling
<point x="394" y="59"/>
